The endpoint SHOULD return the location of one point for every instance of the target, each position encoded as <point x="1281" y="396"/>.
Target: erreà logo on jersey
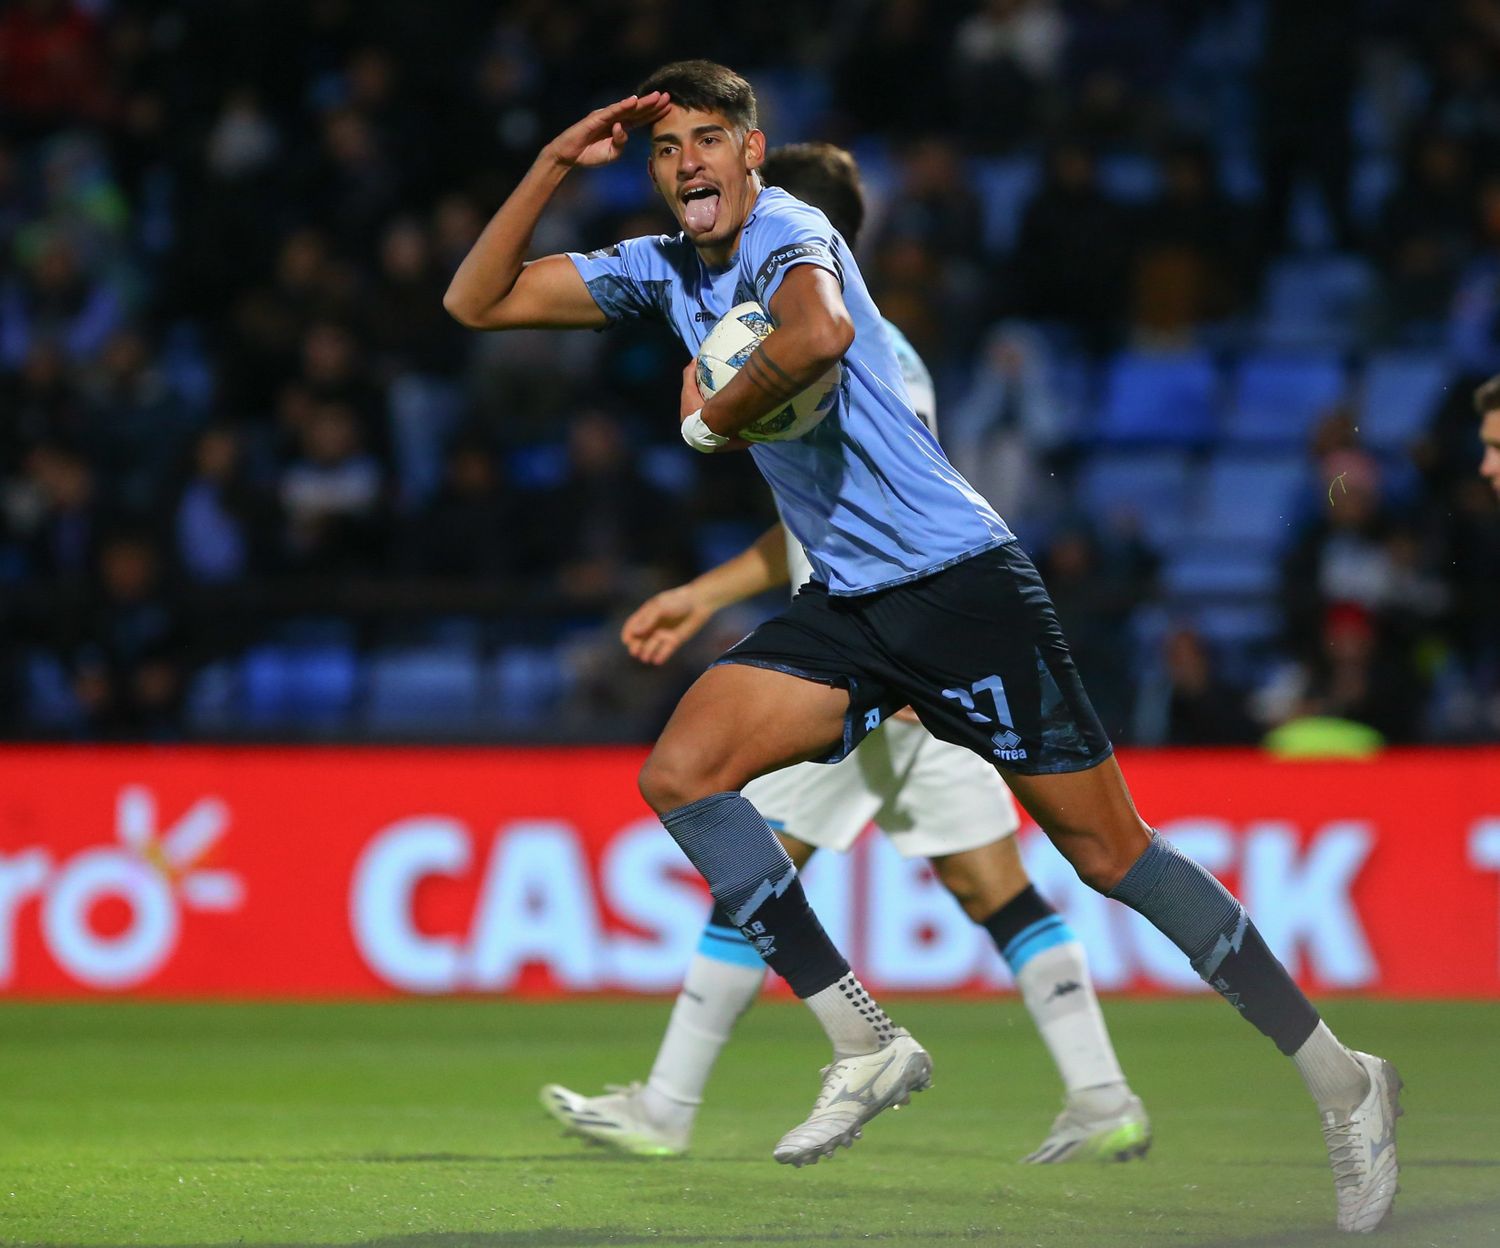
<point x="1008" y="746"/>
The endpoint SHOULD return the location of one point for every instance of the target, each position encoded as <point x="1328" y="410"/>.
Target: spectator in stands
<point x="1427" y="229"/>
<point x="1001" y="434"/>
<point x="126" y="647"/>
<point x="1096" y="588"/>
<point x="1202" y="707"/>
<point x="58" y="513"/>
<point x="138" y="430"/>
<point x="476" y="527"/>
<point x="605" y="530"/>
<point x="333" y="496"/>
<point x="1005" y="57"/>
<point x="51" y="65"/>
<point x="1192" y="255"/>
<point x="220" y="514"/>
<point x="1072" y="260"/>
<point x="54" y="298"/>
<point x="1307" y="81"/>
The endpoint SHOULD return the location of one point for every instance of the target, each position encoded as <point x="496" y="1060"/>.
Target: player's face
<point x="705" y="170"/>
<point x="1489" y="434"/>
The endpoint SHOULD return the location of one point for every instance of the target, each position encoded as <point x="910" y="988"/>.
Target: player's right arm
<point x="494" y="287"/>
<point x="657" y="629"/>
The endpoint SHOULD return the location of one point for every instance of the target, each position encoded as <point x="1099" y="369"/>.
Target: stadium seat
<point x="1129" y="177"/>
<point x="1247" y="501"/>
<point x="303" y="687"/>
<point x="1214" y="570"/>
<point x="1161" y="399"/>
<point x="213" y="700"/>
<point x="433" y="689"/>
<point x="51" y="703"/>
<point x="528" y="682"/>
<point x="1146" y="489"/>
<point x="1227" y="625"/>
<point x="1400" y="393"/>
<point x="537" y="467"/>
<point x="1006" y="184"/>
<point x="1277" y="397"/>
<point x="1319" y="302"/>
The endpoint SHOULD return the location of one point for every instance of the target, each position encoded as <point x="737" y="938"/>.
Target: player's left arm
<point x="813" y="330"/>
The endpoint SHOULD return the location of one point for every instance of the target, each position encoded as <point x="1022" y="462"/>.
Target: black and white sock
<point x="1199" y="915"/>
<point x="756" y="886"/>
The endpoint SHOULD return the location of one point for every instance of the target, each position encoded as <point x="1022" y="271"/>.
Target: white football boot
<point x="855" y="1089"/>
<point x="1362" y="1148"/>
<point x="1096" y="1125"/>
<point x="617" y="1119"/>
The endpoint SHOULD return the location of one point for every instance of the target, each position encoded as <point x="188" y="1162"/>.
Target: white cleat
<point x="855" y="1089"/>
<point x="1096" y="1126"/>
<point x="617" y="1119"/>
<point x="1362" y="1148"/>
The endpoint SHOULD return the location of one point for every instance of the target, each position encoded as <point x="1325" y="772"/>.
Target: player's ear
<point x="755" y="150"/>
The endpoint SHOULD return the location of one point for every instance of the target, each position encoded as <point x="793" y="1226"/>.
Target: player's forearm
<point x="757" y="568"/>
<point x="784" y="365"/>
<point x="489" y="272"/>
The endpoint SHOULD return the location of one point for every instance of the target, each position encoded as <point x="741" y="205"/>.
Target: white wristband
<point x="697" y="434"/>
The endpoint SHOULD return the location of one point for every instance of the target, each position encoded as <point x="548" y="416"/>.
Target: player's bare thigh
<point x="1089" y="816"/>
<point x="738" y="722"/>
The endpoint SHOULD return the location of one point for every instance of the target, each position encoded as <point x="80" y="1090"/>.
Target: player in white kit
<point x="932" y="799"/>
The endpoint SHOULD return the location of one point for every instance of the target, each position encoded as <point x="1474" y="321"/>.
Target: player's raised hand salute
<point x="599" y="137"/>
<point x="494" y="287"/>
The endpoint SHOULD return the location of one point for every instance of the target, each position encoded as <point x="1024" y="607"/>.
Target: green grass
<point x="415" y="1125"/>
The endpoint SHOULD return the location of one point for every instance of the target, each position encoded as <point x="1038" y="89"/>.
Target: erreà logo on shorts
<point x="1008" y="746"/>
<point x="143" y="884"/>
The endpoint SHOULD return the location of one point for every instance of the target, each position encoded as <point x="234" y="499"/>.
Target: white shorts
<point x="930" y="797"/>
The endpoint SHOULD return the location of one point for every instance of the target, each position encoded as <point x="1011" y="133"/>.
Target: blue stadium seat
<point x="1160" y="399"/>
<point x="1217" y="570"/>
<point x="51" y="703"/>
<point x="529" y="681"/>
<point x="1278" y="397"/>
<point x="213" y="699"/>
<point x="1400" y="393"/>
<point x="537" y="467"/>
<point x="1006" y="185"/>
<point x="1320" y="302"/>
<point x="1248" y="501"/>
<point x="299" y="687"/>
<point x="1146" y="489"/>
<point x="1234" y="625"/>
<point x="439" y="688"/>
<point x="1129" y="177"/>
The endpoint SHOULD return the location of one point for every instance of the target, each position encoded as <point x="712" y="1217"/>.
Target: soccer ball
<point x="724" y="352"/>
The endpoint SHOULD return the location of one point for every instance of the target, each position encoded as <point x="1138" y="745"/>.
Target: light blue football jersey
<point x="868" y="493"/>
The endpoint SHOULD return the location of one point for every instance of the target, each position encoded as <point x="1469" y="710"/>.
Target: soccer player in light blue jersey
<point x="931" y="799"/>
<point x="921" y="596"/>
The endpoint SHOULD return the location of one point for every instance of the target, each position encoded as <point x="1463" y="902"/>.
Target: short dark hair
<point x="824" y="176"/>
<point x="1487" y="396"/>
<point x="708" y="87"/>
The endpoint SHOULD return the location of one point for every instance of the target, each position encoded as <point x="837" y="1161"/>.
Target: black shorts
<point x="974" y="648"/>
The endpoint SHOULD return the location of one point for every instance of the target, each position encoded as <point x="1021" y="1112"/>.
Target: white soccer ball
<point x="724" y="352"/>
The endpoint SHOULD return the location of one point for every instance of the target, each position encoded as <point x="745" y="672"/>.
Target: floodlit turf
<point x="416" y="1126"/>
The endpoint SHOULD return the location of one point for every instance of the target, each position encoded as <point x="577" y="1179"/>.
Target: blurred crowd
<point x="235" y="421"/>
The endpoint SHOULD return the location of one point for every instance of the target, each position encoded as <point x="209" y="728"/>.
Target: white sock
<point x="1335" y="1079"/>
<point x="714" y="994"/>
<point x="854" y="1023"/>
<point x="1059" y="992"/>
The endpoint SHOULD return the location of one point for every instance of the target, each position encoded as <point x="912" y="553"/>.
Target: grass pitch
<point x="416" y="1125"/>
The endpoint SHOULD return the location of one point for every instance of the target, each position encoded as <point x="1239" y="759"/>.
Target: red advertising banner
<point x="278" y="872"/>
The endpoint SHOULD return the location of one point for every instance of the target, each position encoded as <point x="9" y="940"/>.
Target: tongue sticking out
<point x="699" y="215"/>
